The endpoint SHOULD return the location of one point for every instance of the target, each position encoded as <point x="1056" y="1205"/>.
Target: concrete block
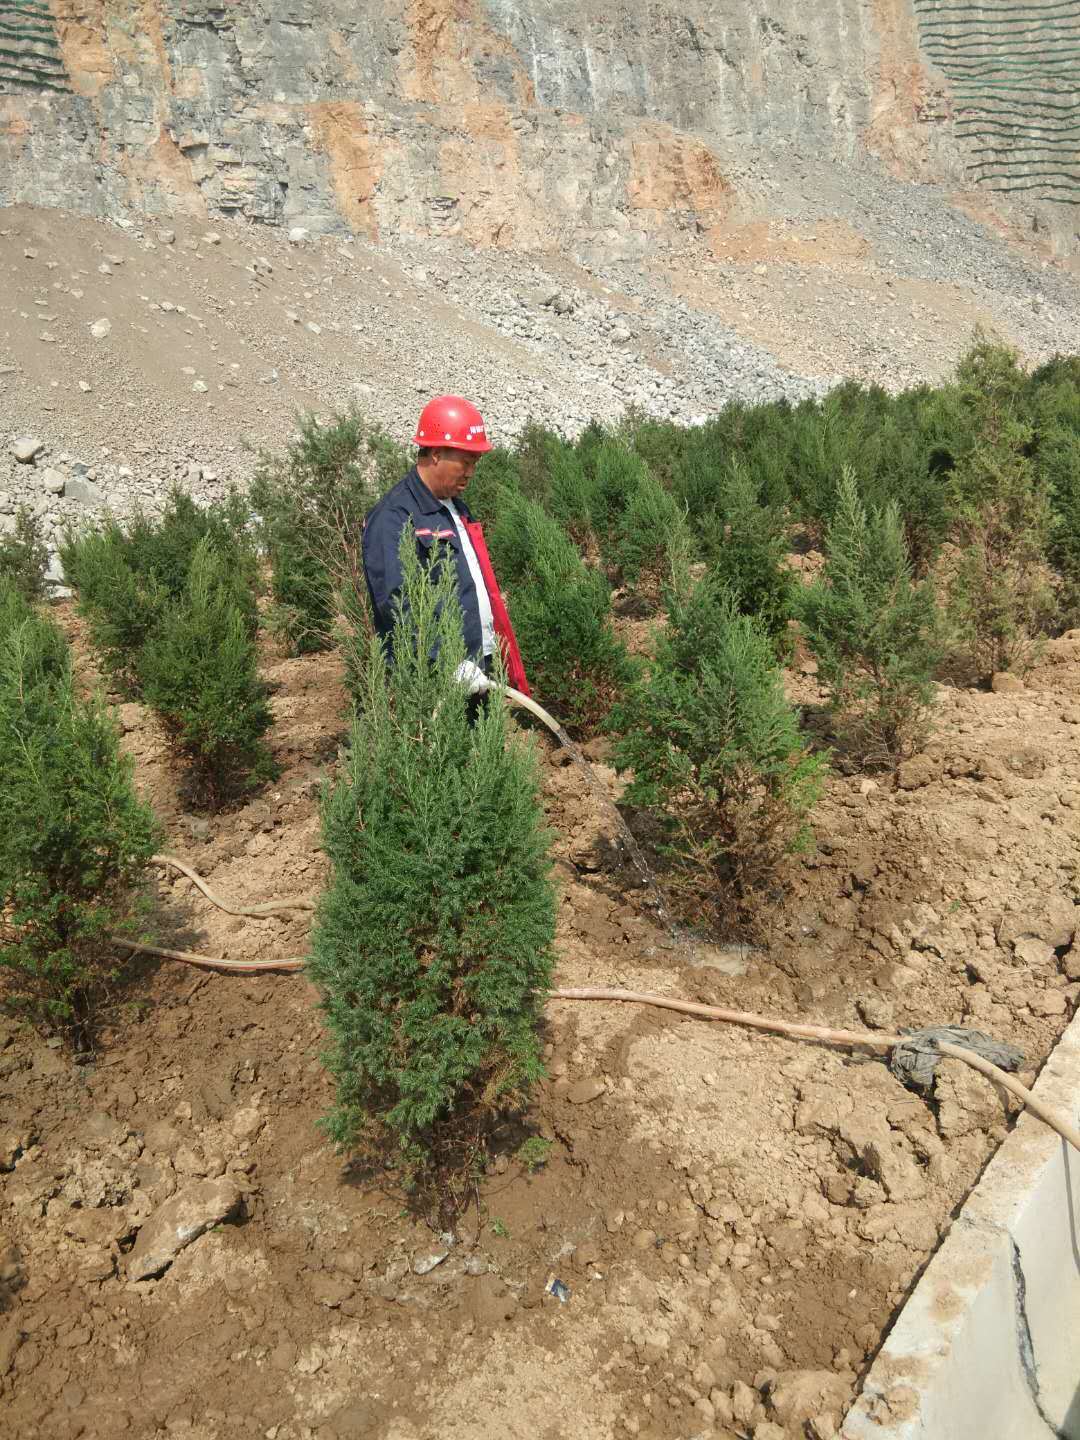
<point x="986" y="1345"/>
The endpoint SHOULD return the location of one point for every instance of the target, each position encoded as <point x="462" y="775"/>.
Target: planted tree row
<point x="171" y="609"/>
<point x="947" y="518"/>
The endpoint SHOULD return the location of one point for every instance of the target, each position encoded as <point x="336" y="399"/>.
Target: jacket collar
<point x="427" y="503"/>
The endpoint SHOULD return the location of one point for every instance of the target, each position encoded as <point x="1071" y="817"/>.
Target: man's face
<point x="448" y="472"/>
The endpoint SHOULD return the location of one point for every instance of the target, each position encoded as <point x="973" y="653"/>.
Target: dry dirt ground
<point x="736" y="1217"/>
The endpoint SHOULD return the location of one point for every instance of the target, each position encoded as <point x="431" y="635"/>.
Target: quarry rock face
<point x="518" y="123"/>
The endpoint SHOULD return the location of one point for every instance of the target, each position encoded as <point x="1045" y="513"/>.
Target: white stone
<point x="25" y="448"/>
<point x="189" y="1214"/>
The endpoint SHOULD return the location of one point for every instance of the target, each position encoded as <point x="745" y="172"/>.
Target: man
<point x="451" y="437"/>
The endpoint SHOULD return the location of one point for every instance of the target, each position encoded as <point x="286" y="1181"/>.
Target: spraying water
<point x="626" y="836"/>
<point x="731" y="959"/>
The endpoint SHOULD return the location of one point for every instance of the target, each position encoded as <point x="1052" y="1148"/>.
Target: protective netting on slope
<point x="30" y="57"/>
<point x="1014" y="73"/>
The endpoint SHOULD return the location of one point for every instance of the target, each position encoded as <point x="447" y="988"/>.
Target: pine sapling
<point x="1001" y="601"/>
<point x="874" y="631"/>
<point x="312" y="502"/>
<point x="75" y="840"/>
<point x="432" y="945"/>
<point x="561" y="610"/>
<point x="24" y="556"/>
<point x="617" y="474"/>
<point x="495" y="473"/>
<point x="1059" y="456"/>
<point x="652" y="540"/>
<point x="746" y="545"/>
<point x="716" y="755"/>
<point x="571" y="496"/>
<point x="995" y="573"/>
<point x="128" y="576"/>
<point x="121" y="606"/>
<point x="199" y="672"/>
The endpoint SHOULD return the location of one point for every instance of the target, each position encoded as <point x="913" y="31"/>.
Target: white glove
<point x="469" y="674"/>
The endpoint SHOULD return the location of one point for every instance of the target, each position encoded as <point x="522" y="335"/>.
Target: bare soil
<point x="736" y="1217"/>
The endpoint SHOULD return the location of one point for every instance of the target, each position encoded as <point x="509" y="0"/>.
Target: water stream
<point x="657" y="899"/>
<point x="690" y="948"/>
<point x="731" y="959"/>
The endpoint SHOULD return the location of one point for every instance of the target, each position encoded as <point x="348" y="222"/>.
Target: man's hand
<point x="469" y="674"/>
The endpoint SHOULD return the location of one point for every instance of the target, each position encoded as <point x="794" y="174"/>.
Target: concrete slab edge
<point x="986" y="1345"/>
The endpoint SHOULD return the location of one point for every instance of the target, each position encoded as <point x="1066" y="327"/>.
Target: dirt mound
<point x="733" y="1217"/>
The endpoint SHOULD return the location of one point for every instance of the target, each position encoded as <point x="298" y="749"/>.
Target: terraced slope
<point x="30" y="56"/>
<point x="1014" y="70"/>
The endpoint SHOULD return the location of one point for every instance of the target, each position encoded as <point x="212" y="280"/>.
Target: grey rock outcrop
<point x="519" y="125"/>
<point x="85" y="492"/>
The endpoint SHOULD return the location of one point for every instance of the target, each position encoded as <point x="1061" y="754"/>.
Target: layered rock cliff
<point x="524" y="123"/>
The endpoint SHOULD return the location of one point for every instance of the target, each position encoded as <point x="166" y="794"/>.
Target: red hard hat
<point x="449" y="420"/>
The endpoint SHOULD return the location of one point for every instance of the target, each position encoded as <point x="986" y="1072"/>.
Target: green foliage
<point x="618" y="473"/>
<point x="561" y="611"/>
<point x="572" y="656"/>
<point x="874" y="631"/>
<point x="24" y="556"/>
<point x="515" y="538"/>
<point x="990" y="378"/>
<point x="1055" y="404"/>
<point x="199" y="672"/>
<point x="746" y="546"/>
<point x="432" y="945"/>
<point x="662" y="444"/>
<point x="496" y="473"/>
<point x="312" y="502"/>
<point x="42" y="650"/>
<point x="550" y="472"/>
<point x="128" y="578"/>
<point x="892" y="443"/>
<point x="571" y="495"/>
<point x="534" y="1152"/>
<point x="900" y="446"/>
<point x="761" y="438"/>
<point x="162" y="549"/>
<point x="1061" y="468"/>
<point x="716" y="754"/>
<point x="652" y="540"/>
<point x="1000" y="593"/>
<point x="120" y="606"/>
<point x="536" y="453"/>
<point x="589" y="443"/>
<point x="74" y="837"/>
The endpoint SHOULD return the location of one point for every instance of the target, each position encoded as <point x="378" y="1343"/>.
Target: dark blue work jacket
<point x="410" y="499"/>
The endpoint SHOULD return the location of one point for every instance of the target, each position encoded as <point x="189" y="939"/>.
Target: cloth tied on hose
<point x="515" y="667"/>
<point x="916" y="1059"/>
